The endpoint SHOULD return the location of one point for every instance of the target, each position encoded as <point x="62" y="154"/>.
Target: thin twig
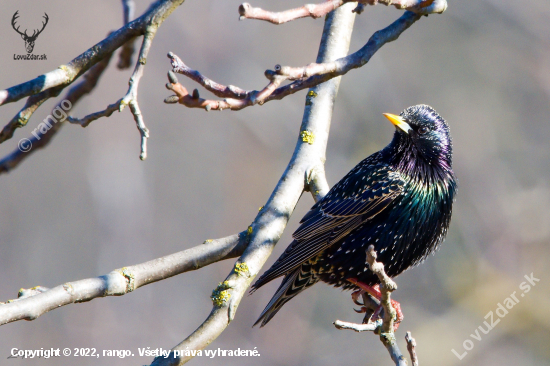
<point x="411" y="347"/>
<point x="24" y="115"/>
<point x="421" y="7"/>
<point x="219" y="90"/>
<point x="130" y="98"/>
<point x="387" y="286"/>
<point x="367" y="327"/>
<point x="243" y="98"/>
<point x="86" y="120"/>
<point x="140" y="124"/>
<point x="39" y="300"/>
<point x="127" y="50"/>
<point x="128" y="9"/>
<point x="315" y="11"/>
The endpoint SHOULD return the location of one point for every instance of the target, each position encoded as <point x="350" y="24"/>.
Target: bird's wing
<point x="360" y="195"/>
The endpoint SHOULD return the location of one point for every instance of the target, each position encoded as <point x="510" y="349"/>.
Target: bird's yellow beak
<point x="398" y="122"/>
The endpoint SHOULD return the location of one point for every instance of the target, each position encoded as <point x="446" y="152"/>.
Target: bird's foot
<point x="374" y="291"/>
<point x="368" y="305"/>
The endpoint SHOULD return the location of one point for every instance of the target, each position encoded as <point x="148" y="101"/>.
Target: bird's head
<point x="422" y="137"/>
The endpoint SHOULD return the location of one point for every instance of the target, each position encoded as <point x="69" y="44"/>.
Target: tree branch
<point x="65" y="75"/>
<point x="411" y="347"/>
<point x="31" y="105"/>
<point x="304" y="77"/>
<point x="130" y="98"/>
<point x="315" y="11"/>
<point x="421" y="7"/>
<point x="219" y="90"/>
<point x="387" y="286"/>
<point x="73" y="96"/>
<point x="127" y="51"/>
<point x="36" y="301"/>
<point x="366" y="327"/>
<point x="272" y="219"/>
<point x="316" y="182"/>
<point x="86" y="120"/>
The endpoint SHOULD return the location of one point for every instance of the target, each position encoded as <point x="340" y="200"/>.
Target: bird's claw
<point x="355" y="297"/>
<point x="374" y="292"/>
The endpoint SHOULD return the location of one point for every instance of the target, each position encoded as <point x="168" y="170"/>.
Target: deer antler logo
<point x="29" y="40"/>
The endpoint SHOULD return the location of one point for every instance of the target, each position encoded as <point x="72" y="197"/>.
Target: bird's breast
<point x="403" y="234"/>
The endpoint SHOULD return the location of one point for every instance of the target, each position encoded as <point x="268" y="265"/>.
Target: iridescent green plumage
<point x="398" y="199"/>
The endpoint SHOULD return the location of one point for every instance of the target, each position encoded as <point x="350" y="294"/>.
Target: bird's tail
<point x="293" y="283"/>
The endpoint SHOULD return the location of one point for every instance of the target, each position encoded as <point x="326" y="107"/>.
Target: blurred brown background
<point x="87" y="204"/>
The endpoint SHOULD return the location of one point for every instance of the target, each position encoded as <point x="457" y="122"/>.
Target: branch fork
<point x="316" y="182"/>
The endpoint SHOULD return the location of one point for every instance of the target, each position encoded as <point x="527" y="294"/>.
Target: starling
<point x="399" y="200"/>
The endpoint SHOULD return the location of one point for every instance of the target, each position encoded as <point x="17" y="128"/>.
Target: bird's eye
<point x="422" y="130"/>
